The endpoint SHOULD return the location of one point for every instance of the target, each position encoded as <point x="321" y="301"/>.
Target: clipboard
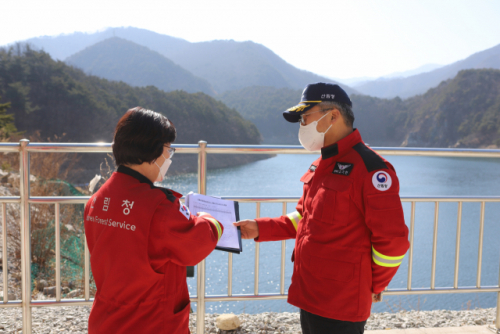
<point x="229" y="249"/>
<point x="226" y="212"/>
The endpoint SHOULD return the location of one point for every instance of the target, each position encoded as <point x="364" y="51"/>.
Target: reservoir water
<point x="419" y="176"/>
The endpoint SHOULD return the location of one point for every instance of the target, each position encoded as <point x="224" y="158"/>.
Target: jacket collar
<point x="342" y="146"/>
<point x="129" y="171"/>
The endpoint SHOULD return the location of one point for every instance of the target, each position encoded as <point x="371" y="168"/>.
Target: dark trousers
<point x="315" y="324"/>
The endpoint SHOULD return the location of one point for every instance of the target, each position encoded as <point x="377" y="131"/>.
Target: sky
<point x="334" y="38"/>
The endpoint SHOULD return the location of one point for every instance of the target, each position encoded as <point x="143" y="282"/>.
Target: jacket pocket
<point x="332" y="200"/>
<point x="331" y="278"/>
<point x="307" y="177"/>
<point x="179" y="321"/>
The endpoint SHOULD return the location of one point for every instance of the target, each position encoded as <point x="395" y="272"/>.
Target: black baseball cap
<point x="312" y="95"/>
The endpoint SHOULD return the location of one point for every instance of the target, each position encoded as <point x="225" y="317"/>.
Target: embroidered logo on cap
<point x="298" y="108"/>
<point x="343" y="168"/>
<point x="184" y="210"/>
<point x="382" y="181"/>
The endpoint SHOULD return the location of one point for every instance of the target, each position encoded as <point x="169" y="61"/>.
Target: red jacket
<point x="349" y="229"/>
<point x="141" y="238"/>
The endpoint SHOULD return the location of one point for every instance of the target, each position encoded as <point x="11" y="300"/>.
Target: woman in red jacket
<point x="140" y="237"/>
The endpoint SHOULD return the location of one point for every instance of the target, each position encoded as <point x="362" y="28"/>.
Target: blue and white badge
<point x="184" y="210"/>
<point x="381" y="181"/>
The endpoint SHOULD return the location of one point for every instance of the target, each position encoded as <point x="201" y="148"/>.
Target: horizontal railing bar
<point x="274" y="296"/>
<point x="258" y="149"/>
<point x="421" y="291"/>
<point x="58" y="199"/>
<point x="9" y="147"/>
<point x="11" y="304"/>
<point x="253" y="149"/>
<point x="10" y="199"/>
<point x="63" y="302"/>
<point x="403" y="198"/>
<point x="251" y="199"/>
<point x="221" y="298"/>
<point x="84" y="148"/>
<point x="297" y="149"/>
<point x="438" y="152"/>
<point x="451" y="199"/>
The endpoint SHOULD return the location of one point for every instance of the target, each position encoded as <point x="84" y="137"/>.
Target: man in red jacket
<point x="349" y="225"/>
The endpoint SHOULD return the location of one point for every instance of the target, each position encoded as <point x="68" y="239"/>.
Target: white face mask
<point x="310" y="138"/>
<point x="163" y="169"/>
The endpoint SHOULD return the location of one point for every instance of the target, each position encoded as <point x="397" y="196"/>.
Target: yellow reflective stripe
<point x="386" y="261"/>
<point x="295" y="217"/>
<point x="217" y="225"/>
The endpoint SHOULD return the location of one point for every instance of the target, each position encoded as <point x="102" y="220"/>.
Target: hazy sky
<point x="342" y="39"/>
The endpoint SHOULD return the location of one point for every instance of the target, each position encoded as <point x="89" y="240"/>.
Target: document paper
<point x="226" y="212"/>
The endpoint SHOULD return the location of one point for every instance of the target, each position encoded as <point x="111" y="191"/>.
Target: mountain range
<point x="401" y="74"/>
<point x="225" y="64"/>
<point x="121" y="60"/>
<point x="259" y="85"/>
<point x="420" y="83"/>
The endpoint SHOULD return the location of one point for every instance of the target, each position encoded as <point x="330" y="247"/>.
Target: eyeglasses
<point x="302" y="117"/>
<point x="170" y="151"/>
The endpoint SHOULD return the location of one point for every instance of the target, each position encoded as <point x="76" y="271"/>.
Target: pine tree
<point x="7" y="127"/>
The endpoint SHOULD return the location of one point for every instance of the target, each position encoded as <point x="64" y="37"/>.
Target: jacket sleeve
<point x="385" y="219"/>
<point x="280" y="228"/>
<point x="185" y="241"/>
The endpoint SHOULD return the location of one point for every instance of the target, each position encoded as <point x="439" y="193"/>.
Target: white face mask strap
<point x="318" y="122"/>
<point x="163" y="162"/>
<point x="327" y="129"/>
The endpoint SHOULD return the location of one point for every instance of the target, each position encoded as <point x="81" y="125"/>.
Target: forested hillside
<point x="7" y="127"/>
<point x="264" y="106"/>
<point x="56" y="99"/>
<point x="121" y="60"/>
<point x="461" y="112"/>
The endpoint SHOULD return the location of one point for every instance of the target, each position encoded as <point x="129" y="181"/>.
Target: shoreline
<point x="47" y="320"/>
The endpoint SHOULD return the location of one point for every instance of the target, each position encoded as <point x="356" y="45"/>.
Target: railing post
<point x="283" y="263"/>
<point x="257" y="252"/>
<point x="24" y="188"/>
<point x="58" y="251"/>
<point x="202" y="168"/>
<point x="202" y="189"/>
<point x="497" y="321"/>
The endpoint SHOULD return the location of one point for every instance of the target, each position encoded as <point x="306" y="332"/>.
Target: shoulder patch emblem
<point x="184" y="210"/>
<point x="343" y="168"/>
<point x="313" y="168"/>
<point x="382" y="181"/>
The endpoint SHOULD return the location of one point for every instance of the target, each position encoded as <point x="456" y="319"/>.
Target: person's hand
<point x="202" y="214"/>
<point x="249" y="228"/>
<point x="376" y="297"/>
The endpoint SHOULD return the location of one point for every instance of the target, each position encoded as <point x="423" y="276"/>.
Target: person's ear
<point x="335" y="114"/>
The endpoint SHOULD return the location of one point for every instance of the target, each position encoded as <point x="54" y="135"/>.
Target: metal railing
<point x="24" y="148"/>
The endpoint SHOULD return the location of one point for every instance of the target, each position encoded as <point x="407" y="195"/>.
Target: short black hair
<point x="140" y="136"/>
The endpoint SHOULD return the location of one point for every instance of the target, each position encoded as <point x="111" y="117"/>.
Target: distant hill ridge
<point x="121" y="60"/>
<point x="225" y="64"/>
<point x="420" y="83"/>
